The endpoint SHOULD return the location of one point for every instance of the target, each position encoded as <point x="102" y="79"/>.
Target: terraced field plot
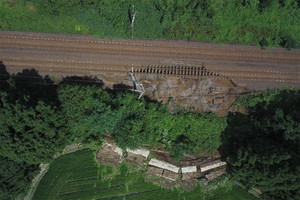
<point x="78" y="176"/>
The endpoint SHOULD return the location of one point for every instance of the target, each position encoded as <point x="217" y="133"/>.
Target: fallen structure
<point x="161" y="171"/>
<point x="137" y="157"/>
<point x="211" y="165"/>
<point x="188" y="173"/>
<point x="169" y="171"/>
<point x="164" y="165"/>
<point x="215" y="174"/>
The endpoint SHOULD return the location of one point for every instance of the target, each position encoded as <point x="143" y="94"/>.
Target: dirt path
<point x="62" y="55"/>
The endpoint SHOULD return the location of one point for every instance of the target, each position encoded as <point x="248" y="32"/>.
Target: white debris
<point x="189" y="169"/>
<point x="118" y="151"/>
<point x="108" y="144"/>
<point x="140" y="151"/>
<point x="164" y="165"/>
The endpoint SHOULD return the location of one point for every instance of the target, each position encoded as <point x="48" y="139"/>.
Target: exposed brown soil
<point x="188" y="184"/>
<point x="170" y="175"/>
<point x="154" y="171"/>
<point x="106" y="155"/>
<point x="136" y="160"/>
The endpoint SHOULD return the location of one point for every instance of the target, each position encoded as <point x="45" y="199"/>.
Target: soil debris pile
<point x="110" y="154"/>
<point x="205" y="94"/>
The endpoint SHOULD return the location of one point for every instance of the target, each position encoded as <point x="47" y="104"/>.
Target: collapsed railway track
<point x="192" y="71"/>
<point x="84" y="55"/>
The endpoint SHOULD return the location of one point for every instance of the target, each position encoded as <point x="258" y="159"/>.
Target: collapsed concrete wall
<point x="189" y="172"/>
<point x="137" y="157"/>
<point x="164" y="165"/>
<point x="215" y="174"/>
<point x="170" y="171"/>
<point x="212" y="165"/>
<point x="161" y="170"/>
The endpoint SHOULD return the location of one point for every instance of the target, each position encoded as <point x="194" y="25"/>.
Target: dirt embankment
<point x="202" y="94"/>
<point x="206" y="94"/>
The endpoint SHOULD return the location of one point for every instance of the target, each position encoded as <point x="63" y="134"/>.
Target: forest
<point x="38" y="119"/>
<point x="264" y="23"/>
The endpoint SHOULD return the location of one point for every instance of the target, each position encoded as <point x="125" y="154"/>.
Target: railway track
<point x="146" y="48"/>
<point x="147" y="58"/>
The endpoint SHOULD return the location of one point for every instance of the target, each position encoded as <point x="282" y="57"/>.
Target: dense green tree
<point x="15" y="178"/>
<point x="102" y="119"/>
<point x="65" y="6"/>
<point x="130" y="121"/>
<point x="265" y="164"/>
<point x="85" y="108"/>
<point x="190" y="133"/>
<point x="263" y="146"/>
<point x="32" y="134"/>
<point x="144" y="122"/>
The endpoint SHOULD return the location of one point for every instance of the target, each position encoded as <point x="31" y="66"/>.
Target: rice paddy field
<point x="79" y="176"/>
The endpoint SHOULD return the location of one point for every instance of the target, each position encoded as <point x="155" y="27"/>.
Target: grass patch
<point x="236" y="193"/>
<point x="78" y="176"/>
<point x="228" y="22"/>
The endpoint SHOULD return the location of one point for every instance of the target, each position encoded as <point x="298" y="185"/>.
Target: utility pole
<point x="133" y="13"/>
<point x="139" y="87"/>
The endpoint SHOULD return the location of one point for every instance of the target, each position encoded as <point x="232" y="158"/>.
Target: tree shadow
<point x="4" y="75"/>
<point x="85" y="80"/>
<point x="121" y="87"/>
<point x="3" y="69"/>
<point x="266" y="141"/>
<point x="27" y="87"/>
<point x="288" y="42"/>
<point x="238" y="131"/>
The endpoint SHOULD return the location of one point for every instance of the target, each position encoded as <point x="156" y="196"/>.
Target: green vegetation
<point x="235" y="193"/>
<point x="145" y="122"/>
<point x="83" y="113"/>
<point x="263" y="147"/>
<point x="91" y="111"/>
<point x="18" y="123"/>
<point x="267" y="96"/>
<point x="78" y="176"/>
<point x="86" y="111"/>
<point x="14" y="178"/>
<point x="32" y="128"/>
<point x="259" y="22"/>
<point x="38" y="119"/>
